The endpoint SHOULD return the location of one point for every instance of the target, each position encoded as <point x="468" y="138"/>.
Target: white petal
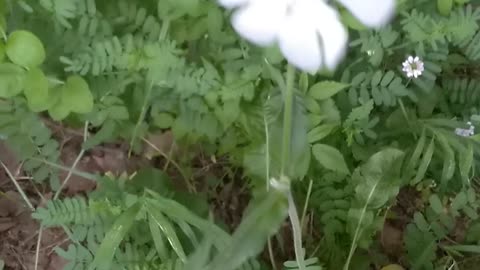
<point x="372" y="13"/>
<point x="259" y="21"/>
<point x="233" y="3"/>
<point x="299" y="43"/>
<point x="333" y="34"/>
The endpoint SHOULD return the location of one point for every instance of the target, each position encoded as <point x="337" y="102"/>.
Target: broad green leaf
<point x="330" y="158"/>
<point x="376" y="182"/>
<point x="421" y="247"/>
<point x="262" y="221"/>
<point x="326" y="89"/>
<point x="25" y="49"/>
<point x="77" y="95"/>
<point x="427" y="157"/>
<point x="106" y="251"/>
<point x="168" y="230"/>
<point x="36" y="90"/>
<point x="444" y="6"/>
<point x="436" y="204"/>
<point x="12" y="80"/>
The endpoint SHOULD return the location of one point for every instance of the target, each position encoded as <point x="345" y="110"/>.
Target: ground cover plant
<point x="239" y="134"/>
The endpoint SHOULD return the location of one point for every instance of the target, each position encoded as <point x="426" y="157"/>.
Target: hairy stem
<point x="287" y="118"/>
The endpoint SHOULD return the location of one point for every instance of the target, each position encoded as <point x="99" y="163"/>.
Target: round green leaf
<point x="36" y="90"/>
<point x="12" y="79"/>
<point x="58" y="109"/>
<point x="444" y="7"/>
<point x="77" y="95"/>
<point x="25" y="49"/>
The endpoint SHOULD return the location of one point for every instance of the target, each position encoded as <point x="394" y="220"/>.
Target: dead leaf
<point x="8" y="157"/>
<point x="111" y="160"/>
<point x="77" y="184"/>
<point x="392" y="239"/>
<point x="163" y="142"/>
<point x="5" y="224"/>
<point x="11" y="204"/>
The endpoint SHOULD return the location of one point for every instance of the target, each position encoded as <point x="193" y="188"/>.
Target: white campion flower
<point x="413" y="67"/>
<point x="308" y="32"/>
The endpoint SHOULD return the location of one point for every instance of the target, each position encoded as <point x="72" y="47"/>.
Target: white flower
<point x="413" y="67"/>
<point x="466" y="132"/>
<point x="308" y="32"/>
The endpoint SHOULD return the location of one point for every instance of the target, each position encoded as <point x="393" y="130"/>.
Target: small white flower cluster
<point x="413" y="67"/>
<point x="309" y="33"/>
<point x="466" y="132"/>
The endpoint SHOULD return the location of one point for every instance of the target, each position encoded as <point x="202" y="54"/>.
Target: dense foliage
<point x="358" y="135"/>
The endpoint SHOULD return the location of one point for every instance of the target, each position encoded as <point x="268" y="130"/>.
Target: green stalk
<point x="287" y="118"/>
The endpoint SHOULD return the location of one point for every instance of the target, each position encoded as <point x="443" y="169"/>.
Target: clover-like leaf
<point x="12" y="80"/>
<point x="76" y="94"/>
<point x="25" y="49"/>
<point x="36" y="90"/>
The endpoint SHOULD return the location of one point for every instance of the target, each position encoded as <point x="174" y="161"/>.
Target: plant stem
<point x="297" y="232"/>
<point x="287" y="118"/>
<point x="305" y="206"/>
<point x="75" y="163"/>
<point x="20" y="190"/>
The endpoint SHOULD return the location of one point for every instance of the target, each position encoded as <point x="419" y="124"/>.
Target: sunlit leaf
<point x="25" y="49"/>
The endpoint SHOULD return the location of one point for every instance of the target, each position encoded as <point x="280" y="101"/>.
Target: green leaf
<point x="330" y="158"/>
<point x="326" y="89"/>
<point x="465" y="163"/>
<point x="77" y="95"/>
<point x="25" y="49"/>
<point x="12" y="80"/>
<point x="444" y="7"/>
<point x="448" y="160"/>
<point x="36" y="90"/>
<point x="427" y="157"/>
<point x="416" y="155"/>
<point x="57" y="109"/>
<point x="459" y="202"/>
<point x="121" y="226"/>
<point x="421" y="222"/>
<point x="159" y="220"/>
<point x="466" y="248"/>
<point x="421" y="248"/>
<point x="320" y="132"/>
<point x="376" y="182"/>
<point x="351" y="21"/>
<point x="436" y="204"/>
<point x="262" y="221"/>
